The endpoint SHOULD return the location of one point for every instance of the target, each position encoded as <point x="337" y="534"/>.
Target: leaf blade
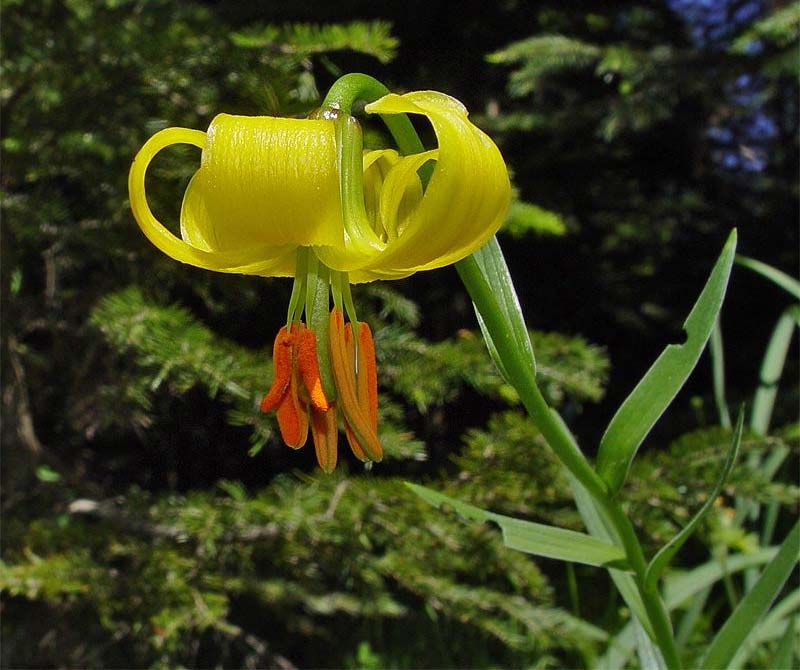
<point x="772" y="369"/>
<point x="787" y="283"/>
<point x="753" y="606"/>
<point x="661" y="560"/>
<point x="534" y="538"/>
<point x="493" y="266"/>
<point x="656" y="390"/>
<point x="678" y="589"/>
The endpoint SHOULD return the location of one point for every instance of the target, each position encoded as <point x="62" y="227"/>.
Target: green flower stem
<point x="344" y="93"/>
<point x="561" y="441"/>
<point x="355" y="87"/>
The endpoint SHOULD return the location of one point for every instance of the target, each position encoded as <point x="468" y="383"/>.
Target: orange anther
<point x="323" y="429"/>
<point x="309" y="368"/>
<point x="361" y="432"/>
<point x="352" y="440"/>
<point x="282" y="364"/>
<point x="293" y="416"/>
<point x="367" y="379"/>
<point x="366" y="382"/>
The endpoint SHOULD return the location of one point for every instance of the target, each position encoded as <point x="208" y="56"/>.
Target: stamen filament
<point x="298" y="298"/>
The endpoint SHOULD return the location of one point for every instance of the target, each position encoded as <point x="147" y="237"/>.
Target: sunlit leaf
<point x="534" y="538"/>
<point x="643" y="407"/>
<point x="492" y="265"/>
<point x="664" y="556"/>
<point x="790" y="284"/>
<point x="755" y="604"/>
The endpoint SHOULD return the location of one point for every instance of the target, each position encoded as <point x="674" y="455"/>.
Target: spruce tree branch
<point x="108" y="510"/>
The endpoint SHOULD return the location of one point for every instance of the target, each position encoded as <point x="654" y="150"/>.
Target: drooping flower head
<point x="300" y="198"/>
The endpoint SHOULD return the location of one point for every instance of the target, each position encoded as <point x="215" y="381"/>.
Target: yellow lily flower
<point x="275" y="197"/>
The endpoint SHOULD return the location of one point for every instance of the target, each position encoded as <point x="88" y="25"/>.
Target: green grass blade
<point x="650" y="657"/>
<point x="691" y="617"/>
<point x="493" y="266"/>
<point x="763" y="403"/>
<point x="653" y="394"/>
<point x="773" y="626"/>
<point x="753" y="606"/>
<point x="679" y="588"/>
<point x="785" y="650"/>
<point x="534" y="538"/>
<point x="772" y="369"/>
<point x="593" y="519"/>
<point x="717" y="352"/>
<point x="664" y="556"/>
<point x="780" y="278"/>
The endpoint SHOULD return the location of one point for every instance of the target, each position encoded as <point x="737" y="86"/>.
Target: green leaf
<point x="783" y="280"/>
<point x="653" y="394"/>
<point x="650" y="657"/>
<point x="785" y="650"/>
<point x="763" y="403"/>
<point x="664" y="556"/>
<point x="625" y="583"/>
<point x="771" y="370"/>
<point x="678" y="589"/>
<point x="753" y="606"/>
<point x="493" y="267"/>
<point x="534" y="538"/>
<point x="769" y="628"/>
<point x="717" y="351"/>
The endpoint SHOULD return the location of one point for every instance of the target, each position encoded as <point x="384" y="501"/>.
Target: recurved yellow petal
<point x="463" y="205"/>
<point x="467" y="197"/>
<point x="196" y="249"/>
<point x="266" y="181"/>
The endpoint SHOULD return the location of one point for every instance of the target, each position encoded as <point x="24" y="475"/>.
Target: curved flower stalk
<point x="301" y="198"/>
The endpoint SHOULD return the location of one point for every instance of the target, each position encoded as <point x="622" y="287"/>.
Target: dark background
<point x="649" y="131"/>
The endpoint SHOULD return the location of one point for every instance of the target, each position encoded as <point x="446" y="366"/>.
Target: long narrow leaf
<point x="534" y="538"/>
<point x="763" y="403"/>
<point x="650" y="657"/>
<point x="783" y="280"/>
<point x="691" y="617"/>
<point x="785" y="650"/>
<point x="664" y="556"/>
<point x="768" y="629"/>
<point x="593" y="520"/>
<point x="678" y="589"/>
<point x="492" y="264"/>
<point x="753" y="606"/>
<point x="717" y="351"/>
<point x="658" y="387"/>
<point x="772" y="369"/>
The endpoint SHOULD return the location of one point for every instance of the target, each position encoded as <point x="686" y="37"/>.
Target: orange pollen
<point x="361" y="430"/>
<point x="325" y="434"/>
<point x="282" y="364"/>
<point x="300" y="402"/>
<point x="309" y="368"/>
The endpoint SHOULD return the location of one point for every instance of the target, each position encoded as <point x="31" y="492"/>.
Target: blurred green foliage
<point x="139" y="530"/>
